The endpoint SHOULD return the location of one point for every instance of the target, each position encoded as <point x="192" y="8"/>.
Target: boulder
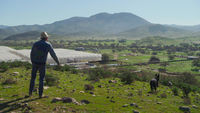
<point x="15" y="73"/>
<point x="194" y="106"/>
<point x="125" y="105"/>
<point x="85" y="101"/>
<point x="46" y="87"/>
<point x="99" y="86"/>
<point x="81" y="91"/>
<point x="135" y="111"/>
<point x="2" y="99"/>
<point x="159" y="102"/>
<point x="133" y="104"/>
<point x="68" y="100"/>
<point x="185" y="109"/>
<point x="56" y="99"/>
<point x="112" y="81"/>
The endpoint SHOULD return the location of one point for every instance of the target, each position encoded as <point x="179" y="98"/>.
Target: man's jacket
<point x="39" y="52"/>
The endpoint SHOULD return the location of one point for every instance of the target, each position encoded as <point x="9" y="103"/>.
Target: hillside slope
<point x="105" y="97"/>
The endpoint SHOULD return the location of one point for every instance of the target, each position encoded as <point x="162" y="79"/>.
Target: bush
<point x="127" y="77"/>
<point x="154" y="60"/>
<point x="196" y="62"/>
<point x="171" y="57"/>
<point x="3" y="67"/>
<point x="51" y="80"/>
<point x="161" y="70"/>
<point x="88" y="87"/>
<point x="74" y="71"/>
<point x="62" y="68"/>
<point x="105" y="58"/>
<point x="163" y="95"/>
<point x="98" y="73"/>
<point x="186" y="88"/>
<point x="175" y="91"/>
<point x="187" y="101"/>
<point x="9" y="81"/>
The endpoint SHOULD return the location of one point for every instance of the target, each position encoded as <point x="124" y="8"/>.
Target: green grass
<point x="99" y="104"/>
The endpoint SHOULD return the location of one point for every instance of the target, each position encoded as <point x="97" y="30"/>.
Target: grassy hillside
<point x="105" y="97"/>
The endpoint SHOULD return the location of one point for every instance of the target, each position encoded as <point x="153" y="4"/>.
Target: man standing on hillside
<point x="38" y="56"/>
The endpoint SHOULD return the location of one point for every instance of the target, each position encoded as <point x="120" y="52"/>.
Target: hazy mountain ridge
<point x="155" y="30"/>
<point x="102" y="24"/>
<point x="195" y="28"/>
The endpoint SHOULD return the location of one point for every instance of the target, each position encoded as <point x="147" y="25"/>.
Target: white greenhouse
<point x="64" y="55"/>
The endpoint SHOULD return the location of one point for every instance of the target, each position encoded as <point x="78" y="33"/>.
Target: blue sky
<point x="28" y="12"/>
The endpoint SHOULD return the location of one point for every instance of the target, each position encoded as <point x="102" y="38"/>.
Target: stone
<point x="73" y="90"/>
<point x="112" y="101"/>
<point x="159" y="102"/>
<point x="46" y="87"/>
<point x="14" y="95"/>
<point x="6" y="87"/>
<point x="133" y="104"/>
<point x="130" y="94"/>
<point x="82" y="92"/>
<point x="15" y="73"/>
<point x="112" y="81"/>
<point x="125" y="105"/>
<point x="2" y="99"/>
<point x="68" y="100"/>
<point x="184" y="108"/>
<point x="135" y="111"/>
<point x="85" y="101"/>
<point x="194" y="106"/>
<point x="56" y="99"/>
<point x="99" y="86"/>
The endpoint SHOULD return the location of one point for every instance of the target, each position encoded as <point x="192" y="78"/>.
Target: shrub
<point x="62" y="68"/>
<point x="163" y="95"/>
<point x="175" y="91"/>
<point x="51" y="80"/>
<point x="98" y="73"/>
<point x="9" y="81"/>
<point x="185" y="88"/>
<point x="127" y="77"/>
<point x="196" y="62"/>
<point x="88" y="87"/>
<point x="154" y="60"/>
<point x="161" y="70"/>
<point x="74" y="71"/>
<point x="171" y="57"/>
<point x="105" y="58"/>
<point x="3" y="67"/>
<point x="187" y="101"/>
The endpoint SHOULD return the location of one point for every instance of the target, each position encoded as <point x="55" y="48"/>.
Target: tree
<point x="153" y="60"/>
<point x="196" y="62"/>
<point x="171" y="57"/>
<point x="105" y="58"/>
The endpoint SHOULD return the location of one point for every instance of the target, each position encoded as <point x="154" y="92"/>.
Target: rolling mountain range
<point x="125" y="25"/>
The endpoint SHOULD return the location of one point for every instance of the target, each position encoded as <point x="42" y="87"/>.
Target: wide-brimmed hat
<point x="44" y="35"/>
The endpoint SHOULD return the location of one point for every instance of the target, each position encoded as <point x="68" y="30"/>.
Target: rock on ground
<point x="185" y="109"/>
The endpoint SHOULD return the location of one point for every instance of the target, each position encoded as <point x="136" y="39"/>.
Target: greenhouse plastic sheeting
<point x="64" y="55"/>
<point x="7" y="54"/>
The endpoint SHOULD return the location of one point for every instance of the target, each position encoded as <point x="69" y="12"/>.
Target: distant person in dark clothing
<point x="38" y="56"/>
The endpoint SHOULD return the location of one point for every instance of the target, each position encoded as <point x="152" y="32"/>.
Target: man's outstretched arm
<point x="53" y="55"/>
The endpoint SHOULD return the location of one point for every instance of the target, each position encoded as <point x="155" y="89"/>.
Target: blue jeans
<point x="42" y="70"/>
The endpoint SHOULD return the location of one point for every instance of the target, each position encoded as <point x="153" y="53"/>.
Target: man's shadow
<point x="13" y="105"/>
